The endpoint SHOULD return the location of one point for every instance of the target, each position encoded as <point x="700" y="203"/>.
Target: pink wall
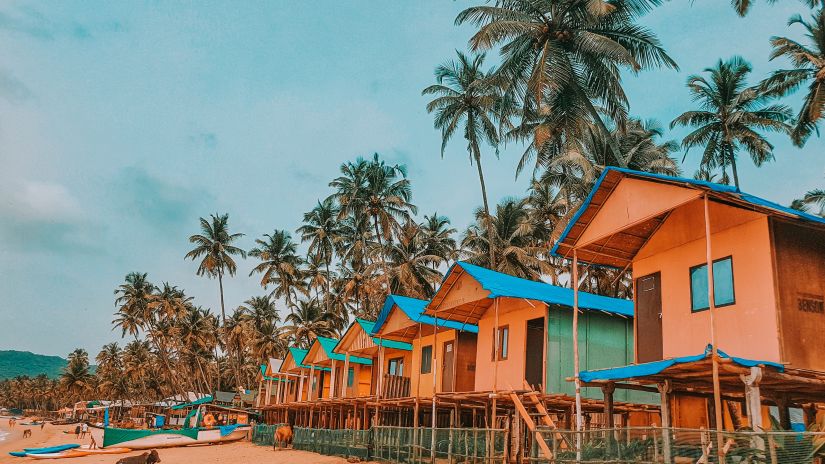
<point x="749" y="327"/>
<point x="510" y="373"/>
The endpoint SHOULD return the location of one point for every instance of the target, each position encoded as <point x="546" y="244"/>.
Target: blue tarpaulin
<point x="414" y="309"/>
<point x="505" y="285"/>
<point x="635" y="371"/>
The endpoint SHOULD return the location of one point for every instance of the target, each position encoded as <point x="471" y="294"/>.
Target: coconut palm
<point x="307" y="321"/>
<point x="743" y="6"/>
<point x="267" y="341"/>
<point x="568" y="53"/>
<point x="260" y="309"/>
<point x="729" y="115"/>
<point x="467" y="96"/>
<point x="134" y="298"/>
<point x="438" y="238"/>
<point x="137" y="365"/>
<point x="412" y="270"/>
<point x="198" y="337"/>
<point x="279" y="266"/>
<point x="323" y="232"/>
<point x="517" y="248"/>
<point x="76" y="379"/>
<point x="214" y="247"/>
<point x="808" y="69"/>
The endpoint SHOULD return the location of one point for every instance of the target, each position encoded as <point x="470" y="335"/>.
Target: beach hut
<point x="728" y="291"/>
<point x="294" y="368"/>
<point x="435" y="344"/>
<point x="325" y="368"/>
<point x="531" y="322"/>
<point x="391" y="361"/>
<point x="269" y="390"/>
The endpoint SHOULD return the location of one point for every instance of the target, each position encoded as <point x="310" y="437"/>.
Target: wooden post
<point x="380" y="391"/>
<point x="312" y="381"/>
<point x="664" y="394"/>
<point x="332" y="378"/>
<point x="415" y="430"/>
<point x="575" y="284"/>
<point x="784" y="414"/>
<point x="299" y="395"/>
<point x="435" y="383"/>
<point x="717" y="394"/>
<point x="607" y="391"/>
<point x="268" y="390"/>
<point x="344" y="384"/>
<point x="753" y="404"/>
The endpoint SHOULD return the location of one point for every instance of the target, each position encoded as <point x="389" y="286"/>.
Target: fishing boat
<point x="140" y="439"/>
<point x="204" y="431"/>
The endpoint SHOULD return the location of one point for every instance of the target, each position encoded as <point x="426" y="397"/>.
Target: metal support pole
<point x="717" y="394"/>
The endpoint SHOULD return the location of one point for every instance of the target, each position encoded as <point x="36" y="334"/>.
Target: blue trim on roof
<point x="368" y="327"/>
<point x="414" y="309"/>
<point x="328" y="345"/>
<point x="719" y="188"/>
<point x="298" y="355"/>
<point x="656" y="367"/>
<point x="506" y="285"/>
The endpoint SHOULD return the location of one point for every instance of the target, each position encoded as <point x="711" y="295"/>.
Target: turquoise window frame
<point x="724" y="293"/>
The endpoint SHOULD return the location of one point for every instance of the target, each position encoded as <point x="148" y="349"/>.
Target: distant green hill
<point x="15" y="363"/>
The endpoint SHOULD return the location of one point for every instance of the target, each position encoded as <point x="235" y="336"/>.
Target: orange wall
<point x="510" y="374"/>
<point x="390" y="353"/>
<point x="747" y="328"/>
<point x="422" y="384"/>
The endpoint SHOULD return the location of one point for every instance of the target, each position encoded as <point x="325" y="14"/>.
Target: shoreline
<point x="240" y="452"/>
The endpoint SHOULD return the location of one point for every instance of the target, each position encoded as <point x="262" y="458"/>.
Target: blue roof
<point x="298" y="355"/>
<point x="726" y="190"/>
<point x="368" y="327"/>
<point x="328" y="345"/>
<point x="414" y="309"/>
<point x="505" y="285"/>
<point x="656" y="367"/>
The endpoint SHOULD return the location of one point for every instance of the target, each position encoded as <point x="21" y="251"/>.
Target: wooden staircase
<point x="533" y="399"/>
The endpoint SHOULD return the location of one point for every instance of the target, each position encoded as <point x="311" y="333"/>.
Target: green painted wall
<point x="604" y="341"/>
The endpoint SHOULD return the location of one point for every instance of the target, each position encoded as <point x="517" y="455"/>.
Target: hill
<point x="14" y="363"/>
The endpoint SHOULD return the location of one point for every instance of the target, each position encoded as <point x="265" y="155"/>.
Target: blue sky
<point x="123" y="122"/>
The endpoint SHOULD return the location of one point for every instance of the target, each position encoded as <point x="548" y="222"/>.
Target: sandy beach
<point x="242" y="452"/>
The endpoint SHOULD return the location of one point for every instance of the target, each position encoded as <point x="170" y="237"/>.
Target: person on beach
<point x="84" y="429"/>
<point x="42" y="424"/>
<point x="92" y="442"/>
<point x="77" y="431"/>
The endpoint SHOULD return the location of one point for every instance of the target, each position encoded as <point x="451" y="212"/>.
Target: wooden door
<point x="649" y="318"/>
<point x="448" y="367"/>
<point x="534" y="353"/>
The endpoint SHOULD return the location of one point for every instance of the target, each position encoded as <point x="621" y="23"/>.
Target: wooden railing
<point x="395" y="386"/>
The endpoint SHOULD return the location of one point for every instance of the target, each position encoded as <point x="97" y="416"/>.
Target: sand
<point x="231" y="453"/>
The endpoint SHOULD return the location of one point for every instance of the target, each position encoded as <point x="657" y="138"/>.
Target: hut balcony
<point x="395" y="386"/>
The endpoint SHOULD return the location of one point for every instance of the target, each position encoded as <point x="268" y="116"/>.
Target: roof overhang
<point x="610" y="230"/>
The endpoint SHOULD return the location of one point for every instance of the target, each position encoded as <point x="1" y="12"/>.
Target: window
<point x="396" y="366"/>
<point x="427" y="359"/>
<point x="503" y="342"/>
<point x="350" y="376"/>
<point x="723" y="294"/>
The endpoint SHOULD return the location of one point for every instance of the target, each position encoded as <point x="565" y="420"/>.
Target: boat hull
<point x="159" y="439"/>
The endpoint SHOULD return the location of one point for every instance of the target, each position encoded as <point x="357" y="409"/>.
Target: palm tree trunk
<point x="488" y="218"/>
<point x="732" y="156"/>
<point x="383" y="257"/>
<point x="223" y="319"/>
<point x="326" y="297"/>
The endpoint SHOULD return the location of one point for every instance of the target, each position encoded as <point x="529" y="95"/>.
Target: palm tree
<point x="137" y="365"/>
<point x="279" y="266"/>
<point x="413" y="271"/>
<point x="812" y="197"/>
<point x="214" y="246"/>
<point x="743" y="6"/>
<point x="729" y="115"/>
<point x="568" y="53"/>
<point x="76" y="378"/>
<point x="466" y="95"/>
<point x="808" y="69"/>
<point x="134" y="298"/>
<point x="513" y="232"/>
<point x="323" y="232"/>
<point x="438" y="238"/>
<point x="260" y="309"/>
<point x="308" y="321"/>
<point x="197" y="332"/>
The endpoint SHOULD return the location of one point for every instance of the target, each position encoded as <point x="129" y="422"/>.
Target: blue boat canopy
<point x="505" y="285"/>
<point x="638" y="371"/>
<point x="413" y="308"/>
<point x="204" y="400"/>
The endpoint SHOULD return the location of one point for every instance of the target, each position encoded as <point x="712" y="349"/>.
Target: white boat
<point x="139" y="439"/>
